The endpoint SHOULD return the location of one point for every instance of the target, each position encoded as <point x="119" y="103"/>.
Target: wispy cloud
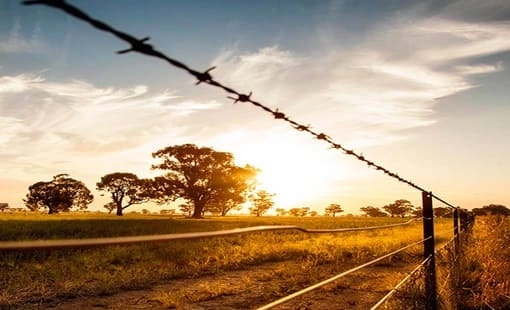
<point x="16" y="43"/>
<point x="373" y="92"/>
<point x="77" y="119"/>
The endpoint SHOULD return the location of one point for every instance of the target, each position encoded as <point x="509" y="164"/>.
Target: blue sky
<point x="419" y="87"/>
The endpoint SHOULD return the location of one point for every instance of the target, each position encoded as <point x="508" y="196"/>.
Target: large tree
<point x="60" y="194"/>
<point x="201" y="176"/>
<point x="400" y="208"/>
<point x="333" y="209"/>
<point x="262" y="201"/>
<point x="373" y="211"/>
<point x="125" y="189"/>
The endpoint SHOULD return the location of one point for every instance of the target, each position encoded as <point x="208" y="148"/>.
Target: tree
<point x="167" y="212"/>
<point x="313" y="213"/>
<point x="333" y="209"/>
<point x="299" y="211"/>
<point x="125" y="186"/>
<point x="304" y="211"/>
<point x="492" y="209"/>
<point x="281" y="211"/>
<point x="262" y="201"/>
<point x="418" y="212"/>
<point x="201" y="176"/>
<point x="145" y="211"/>
<point x="4" y="206"/>
<point x="110" y="206"/>
<point x="373" y="211"/>
<point x="294" y="211"/>
<point x="60" y="194"/>
<point x="443" y="212"/>
<point x="400" y="208"/>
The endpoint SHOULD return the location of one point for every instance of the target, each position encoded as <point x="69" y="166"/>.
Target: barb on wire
<point x="93" y="242"/>
<point x="141" y="46"/>
<point x="338" y="276"/>
<point x="400" y="284"/>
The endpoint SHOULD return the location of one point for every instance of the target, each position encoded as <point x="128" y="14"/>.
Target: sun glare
<point x="297" y="170"/>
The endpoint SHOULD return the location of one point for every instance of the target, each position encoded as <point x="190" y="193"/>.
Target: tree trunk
<point x="119" y="210"/>
<point x="198" y="209"/>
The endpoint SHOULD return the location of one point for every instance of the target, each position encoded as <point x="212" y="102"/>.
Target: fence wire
<point x="94" y="242"/>
<point x="400" y="284"/>
<point x="338" y="276"/>
<point x="141" y="46"/>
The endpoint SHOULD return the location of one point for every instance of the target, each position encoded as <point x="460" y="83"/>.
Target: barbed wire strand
<point x="141" y="46"/>
<point x="400" y="284"/>
<point x="94" y="242"/>
<point x="338" y="276"/>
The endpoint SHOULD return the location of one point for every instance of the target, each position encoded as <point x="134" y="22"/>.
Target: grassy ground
<point x="484" y="279"/>
<point x="47" y="275"/>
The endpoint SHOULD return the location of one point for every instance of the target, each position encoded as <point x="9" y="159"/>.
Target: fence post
<point x="456" y="230"/>
<point x="429" y="245"/>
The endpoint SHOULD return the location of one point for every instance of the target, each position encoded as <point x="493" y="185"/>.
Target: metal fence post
<point x="430" y="268"/>
<point x="456" y="231"/>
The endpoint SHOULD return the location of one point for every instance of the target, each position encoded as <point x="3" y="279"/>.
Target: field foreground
<point x="238" y="272"/>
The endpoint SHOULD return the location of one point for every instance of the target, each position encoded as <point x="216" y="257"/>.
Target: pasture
<point x="190" y="272"/>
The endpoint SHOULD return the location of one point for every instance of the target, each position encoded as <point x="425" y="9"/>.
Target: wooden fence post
<point x="429" y="247"/>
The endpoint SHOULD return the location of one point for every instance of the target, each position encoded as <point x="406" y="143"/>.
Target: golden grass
<point x="43" y="275"/>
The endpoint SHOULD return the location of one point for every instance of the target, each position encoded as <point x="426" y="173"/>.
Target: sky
<point x="419" y="87"/>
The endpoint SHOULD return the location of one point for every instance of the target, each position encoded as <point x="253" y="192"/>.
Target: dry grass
<point x="43" y="275"/>
<point x="485" y="265"/>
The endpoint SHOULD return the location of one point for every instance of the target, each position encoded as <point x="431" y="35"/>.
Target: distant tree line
<point x="207" y="180"/>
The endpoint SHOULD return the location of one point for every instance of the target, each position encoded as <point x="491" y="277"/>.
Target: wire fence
<point x="204" y="77"/>
<point x="95" y="242"/>
<point x="338" y="276"/>
<point x="400" y="284"/>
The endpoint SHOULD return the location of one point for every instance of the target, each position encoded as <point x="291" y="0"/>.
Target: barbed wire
<point x="94" y="242"/>
<point x="338" y="276"/>
<point x="141" y="46"/>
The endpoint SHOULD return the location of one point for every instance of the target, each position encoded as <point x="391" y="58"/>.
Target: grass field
<point x="39" y="276"/>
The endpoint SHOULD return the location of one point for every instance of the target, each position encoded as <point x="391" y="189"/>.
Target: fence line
<point x="93" y="242"/>
<point x="408" y="277"/>
<point x="141" y="46"/>
<point x="338" y="276"/>
<point x="402" y="282"/>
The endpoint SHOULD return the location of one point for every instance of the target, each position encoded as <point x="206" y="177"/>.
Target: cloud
<point x="16" y="43"/>
<point x="462" y="39"/>
<point x="42" y="119"/>
<point x="375" y="92"/>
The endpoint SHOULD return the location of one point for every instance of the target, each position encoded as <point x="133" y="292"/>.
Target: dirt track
<point x="250" y="288"/>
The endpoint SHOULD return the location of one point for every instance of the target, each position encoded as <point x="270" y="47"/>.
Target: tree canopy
<point x="303" y="211"/>
<point x="373" y="211"/>
<point x="201" y="176"/>
<point x="4" y="206"/>
<point x="333" y="209"/>
<point x="125" y="187"/>
<point x="400" y="208"/>
<point x="262" y="202"/>
<point x="58" y="195"/>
